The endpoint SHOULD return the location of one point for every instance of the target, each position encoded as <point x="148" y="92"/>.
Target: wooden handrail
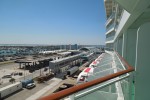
<point x="74" y="89"/>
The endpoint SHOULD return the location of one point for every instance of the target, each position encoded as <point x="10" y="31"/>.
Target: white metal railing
<point x="97" y="87"/>
<point x="110" y="38"/>
<point x="110" y="27"/>
<point x="110" y="18"/>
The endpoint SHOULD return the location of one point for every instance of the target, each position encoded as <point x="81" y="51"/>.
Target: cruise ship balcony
<point x="110" y="19"/>
<point x="110" y="28"/>
<point x="111" y="80"/>
<point x="109" y="38"/>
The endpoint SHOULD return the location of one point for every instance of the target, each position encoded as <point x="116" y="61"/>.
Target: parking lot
<point x="27" y="93"/>
<point x="13" y="69"/>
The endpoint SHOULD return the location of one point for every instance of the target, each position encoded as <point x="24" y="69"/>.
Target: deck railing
<point x="77" y="88"/>
<point x="111" y="26"/>
<point x="110" y="18"/>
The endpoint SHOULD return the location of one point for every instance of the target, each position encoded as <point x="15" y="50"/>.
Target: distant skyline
<point x="52" y="22"/>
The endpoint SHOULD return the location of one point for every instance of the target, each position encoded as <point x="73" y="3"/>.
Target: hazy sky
<point x="52" y="22"/>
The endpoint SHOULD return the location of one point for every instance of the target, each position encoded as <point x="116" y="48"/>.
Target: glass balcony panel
<point x="104" y="92"/>
<point x="110" y="27"/>
<point x="97" y="75"/>
<point x="110" y="38"/>
<point x="126" y="88"/>
<point x="110" y="18"/>
<point x="108" y="92"/>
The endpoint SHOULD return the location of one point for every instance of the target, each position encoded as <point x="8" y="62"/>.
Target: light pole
<point x="49" y="69"/>
<point x="41" y="64"/>
<point x="24" y="70"/>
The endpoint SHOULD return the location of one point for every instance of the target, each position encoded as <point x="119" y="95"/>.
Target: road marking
<point x="44" y="90"/>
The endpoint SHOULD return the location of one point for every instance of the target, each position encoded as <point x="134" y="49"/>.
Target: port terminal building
<point x="61" y="65"/>
<point x="90" y="50"/>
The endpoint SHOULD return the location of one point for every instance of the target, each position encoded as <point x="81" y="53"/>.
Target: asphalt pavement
<point x="25" y="93"/>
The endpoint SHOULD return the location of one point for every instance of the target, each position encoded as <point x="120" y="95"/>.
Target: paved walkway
<point x="44" y="90"/>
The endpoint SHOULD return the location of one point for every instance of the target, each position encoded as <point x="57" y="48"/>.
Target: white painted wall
<point x="142" y="83"/>
<point x="129" y="46"/>
<point x="119" y="45"/>
<point x="125" y="16"/>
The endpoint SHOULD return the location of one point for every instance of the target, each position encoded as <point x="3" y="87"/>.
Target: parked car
<point x="26" y="82"/>
<point x="45" y="69"/>
<point x="30" y="85"/>
<point x="20" y="73"/>
<point x="14" y="73"/>
<point x="7" y="76"/>
<point x="31" y="70"/>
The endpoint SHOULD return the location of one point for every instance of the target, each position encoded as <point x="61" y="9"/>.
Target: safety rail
<point x="110" y="18"/>
<point x="111" y="26"/>
<point x="110" y="38"/>
<point x="77" y="88"/>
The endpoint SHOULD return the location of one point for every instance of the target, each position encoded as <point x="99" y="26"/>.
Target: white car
<point x="30" y="85"/>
